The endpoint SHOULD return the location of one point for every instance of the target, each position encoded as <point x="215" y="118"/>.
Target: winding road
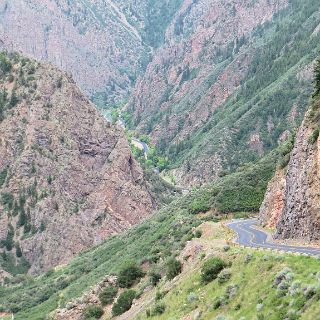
<point x="142" y="145"/>
<point x="249" y="236"/>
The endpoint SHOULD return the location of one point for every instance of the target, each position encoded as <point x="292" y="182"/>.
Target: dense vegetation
<point x="211" y="269"/>
<point x="159" y="15"/>
<point x="272" y="91"/>
<point x="124" y="302"/>
<point x="153" y="160"/>
<point x="174" y="267"/>
<point x="157" y="240"/>
<point x="107" y="295"/>
<point x="129" y="275"/>
<point x="312" y="119"/>
<point x="316" y="81"/>
<point x="93" y="312"/>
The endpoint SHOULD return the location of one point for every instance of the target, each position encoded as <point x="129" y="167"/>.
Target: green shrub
<point x="7" y="200"/>
<point x="49" y="179"/>
<point x="192" y="297"/>
<point x="11" y="78"/>
<point x="23" y="219"/>
<point x="216" y="303"/>
<point x="93" y="312"/>
<point x="5" y="64"/>
<point x="310" y="291"/>
<point x="283" y="162"/>
<point x="198" y="234"/>
<point x="231" y="291"/>
<point x="173" y="268"/>
<point x="211" y="268"/>
<point x="158" y="309"/>
<point x="13" y="99"/>
<point x="107" y="295"/>
<point x="129" y="275"/>
<point x="8" y="242"/>
<point x="155" y="278"/>
<point x="226" y="248"/>
<point x="18" y="250"/>
<point x="160" y="295"/>
<point x="124" y="302"/>
<point x="237" y="307"/>
<point x="3" y="176"/>
<point x="248" y="258"/>
<point x="314" y="136"/>
<point x="299" y="303"/>
<point x="199" y="205"/>
<point x="224" y="276"/>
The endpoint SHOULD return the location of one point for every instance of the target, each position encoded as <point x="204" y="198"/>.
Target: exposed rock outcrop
<point x="68" y="179"/>
<point x="301" y="213"/>
<point x="292" y="200"/>
<point x="204" y="61"/>
<point x="197" y="41"/>
<point x="214" y="95"/>
<point x="90" y="39"/>
<point x="198" y="96"/>
<point x="273" y="203"/>
<point x="74" y="310"/>
<point x="105" y="45"/>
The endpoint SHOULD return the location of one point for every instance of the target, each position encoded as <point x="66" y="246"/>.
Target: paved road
<point x="249" y="236"/>
<point x="141" y="145"/>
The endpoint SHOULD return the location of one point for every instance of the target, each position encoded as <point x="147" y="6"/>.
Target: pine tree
<point x="18" y="250"/>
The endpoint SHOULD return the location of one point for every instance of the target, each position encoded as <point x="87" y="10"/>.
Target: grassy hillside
<point x="271" y="90"/>
<point x="156" y="240"/>
<point x="254" y="285"/>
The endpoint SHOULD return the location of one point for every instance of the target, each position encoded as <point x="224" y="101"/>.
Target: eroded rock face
<point x="191" y="76"/>
<point x="90" y="39"/>
<point x="104" y="44"/>
<point x="301" y="213"/>
<point x="196" y="39"/>
<point x="70" y="178"/>
<point x="274" y="200"/>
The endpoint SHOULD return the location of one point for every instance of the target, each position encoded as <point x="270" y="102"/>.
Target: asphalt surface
<point x="249" y="236"/>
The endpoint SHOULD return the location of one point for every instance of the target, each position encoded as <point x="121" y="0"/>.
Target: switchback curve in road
<point x="249" y="236"/>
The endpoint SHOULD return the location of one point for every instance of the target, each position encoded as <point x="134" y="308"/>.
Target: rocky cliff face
<point x="67" y="177"/>
<point x="180" y="73"/>
<point x="292" y="201"/>
<point x="300" y="217"/>
<point x="104" y="44"/>
<point x="217" y="69"/>
<point x="206" y="84"/>
<point x="273" y="203"/>
<point x="90" y="39"/>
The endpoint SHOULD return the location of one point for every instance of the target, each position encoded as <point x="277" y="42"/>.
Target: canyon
<point x="138" y="142"/>
<point x="201" y="70"/>
<point x="291" y="204"/>
<point x="68" y="177"/>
